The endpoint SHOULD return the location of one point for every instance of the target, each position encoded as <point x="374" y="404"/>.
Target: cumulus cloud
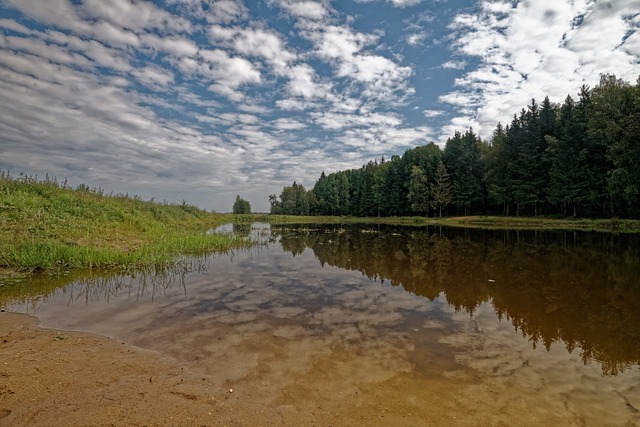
<point x="314" y="10"/>
<point x="454" y="65"/>
<point x="415" y="39"/>
<point x="345" y="50"/>
<point x="206" y="99"/>
<point x="228" y="73"/>
<point x="433" y="113"/>
<point x="395" y="3"/>
<point x="533" y="49"/>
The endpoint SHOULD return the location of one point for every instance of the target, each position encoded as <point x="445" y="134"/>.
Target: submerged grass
<point x="47" y="226"/>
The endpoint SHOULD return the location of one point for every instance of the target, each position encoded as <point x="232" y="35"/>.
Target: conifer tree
<point x="441" y="188"/>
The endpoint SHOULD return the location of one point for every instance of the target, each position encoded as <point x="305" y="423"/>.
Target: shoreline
<point x="79" y="378"/>
<point x="51" y="377"/>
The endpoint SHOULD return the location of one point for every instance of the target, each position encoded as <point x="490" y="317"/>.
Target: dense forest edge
<point x="578" y="159"/>
<point x="47" y="226"/>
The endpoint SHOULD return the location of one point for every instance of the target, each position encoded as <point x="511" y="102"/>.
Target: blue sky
<point x="201" y="100"/>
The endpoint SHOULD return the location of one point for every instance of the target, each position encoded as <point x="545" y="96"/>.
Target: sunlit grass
<point x="48" y="226"/>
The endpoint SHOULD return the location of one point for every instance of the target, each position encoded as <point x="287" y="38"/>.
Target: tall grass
<point x="47" y="225"/>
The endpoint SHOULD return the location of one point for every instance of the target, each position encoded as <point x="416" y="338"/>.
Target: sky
<point x="203" y="100"/>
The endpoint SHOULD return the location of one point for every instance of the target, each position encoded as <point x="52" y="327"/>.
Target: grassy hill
<point x="47" y="226"/>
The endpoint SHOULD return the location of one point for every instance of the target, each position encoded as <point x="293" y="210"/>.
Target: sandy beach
<point x="50" y="377"/>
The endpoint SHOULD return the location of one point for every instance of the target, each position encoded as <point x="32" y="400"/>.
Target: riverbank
<point x="488" y="222"/>
<point x="49" y="227"/>
<point x="78" y="379"/>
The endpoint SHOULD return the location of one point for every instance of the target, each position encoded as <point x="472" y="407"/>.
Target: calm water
<point x="512" y="327"/>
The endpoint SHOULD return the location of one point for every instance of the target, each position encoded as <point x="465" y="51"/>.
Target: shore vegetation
<point x="614" y="225"/>
<point x="47" y="226"/>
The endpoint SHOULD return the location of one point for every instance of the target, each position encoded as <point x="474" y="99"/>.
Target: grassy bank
<point x="488" y="222"/>
<point x="47" y="226"/>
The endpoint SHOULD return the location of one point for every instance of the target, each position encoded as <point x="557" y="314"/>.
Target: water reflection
<point x="360" y="319"/>
<point x="580" y="289"/>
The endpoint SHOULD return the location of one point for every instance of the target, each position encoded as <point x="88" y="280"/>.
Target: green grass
<point x="487" y="222"/>
<point x="47" y="226"/>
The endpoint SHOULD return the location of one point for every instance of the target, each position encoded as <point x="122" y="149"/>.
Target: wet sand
<point x="50" y="377"/>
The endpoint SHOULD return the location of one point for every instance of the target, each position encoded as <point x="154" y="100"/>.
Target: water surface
<point x="487" y="327"/>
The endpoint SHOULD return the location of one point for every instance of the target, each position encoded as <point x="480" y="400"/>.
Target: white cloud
<point x="404" y="3"/>
<point x="303" y="82"/>
<point x="269" y="46"/>
<point x="57" y="12"/>
<point x="381" y="139"/>
<point x="530" y="50"/>
<point x="433" y="113"/>
<point x="315" y="10"/>
<point x="257" y="42"/>
<point x="228" y="73"/>
<point x="288" y="124"/>
<point x="135" y="16"/>
<point x="333" y="120"/>
<point x="177" y="46"/>
<point x="293" y="104"/>
<point x="395" y="3"/>
<point x="42" y="49"/>
<point x="454" y="65"/>
<point x="14" y="26"/>
<point x="153" y="76"/>
<point x="213" y="11"/>
<point x="415" y="39"/>
<point x="101" y="54"/>
<point x="226" y="11"/>
<point x="344" y="49"/>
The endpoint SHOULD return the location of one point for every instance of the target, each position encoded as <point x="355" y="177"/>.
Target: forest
<point x="580" y="158"/>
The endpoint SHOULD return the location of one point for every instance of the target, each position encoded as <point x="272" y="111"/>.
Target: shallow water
<point x="492" y="327"/>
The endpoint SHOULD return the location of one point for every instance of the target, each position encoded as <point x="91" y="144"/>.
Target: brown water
<point x="408" y="326"/>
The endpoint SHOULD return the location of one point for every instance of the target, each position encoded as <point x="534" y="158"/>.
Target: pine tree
<point x="441" y="188"/>
<point x="419" y="191"/>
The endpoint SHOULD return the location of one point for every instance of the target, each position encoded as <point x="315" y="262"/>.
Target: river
<point x="496" y="327"/>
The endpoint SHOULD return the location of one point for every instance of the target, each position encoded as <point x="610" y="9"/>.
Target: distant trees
<point x="293" y="200"/>
<point x="577" y="158"/>
<point x="241" y="206"/>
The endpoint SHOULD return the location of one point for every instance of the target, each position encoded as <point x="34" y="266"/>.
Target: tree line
<point x="580" y="158"/>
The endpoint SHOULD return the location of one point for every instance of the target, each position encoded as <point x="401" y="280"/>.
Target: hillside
<point x="48" y="226"/>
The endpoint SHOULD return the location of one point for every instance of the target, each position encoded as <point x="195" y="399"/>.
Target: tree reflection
<point x="580" y="289"/>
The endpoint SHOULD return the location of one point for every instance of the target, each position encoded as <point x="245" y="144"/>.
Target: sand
<point x="64" y="378"/>
<point x="58" y="378"/>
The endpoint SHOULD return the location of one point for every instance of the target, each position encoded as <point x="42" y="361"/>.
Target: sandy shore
<point x="58" y="378"/>
<point x="49" y="377"/>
